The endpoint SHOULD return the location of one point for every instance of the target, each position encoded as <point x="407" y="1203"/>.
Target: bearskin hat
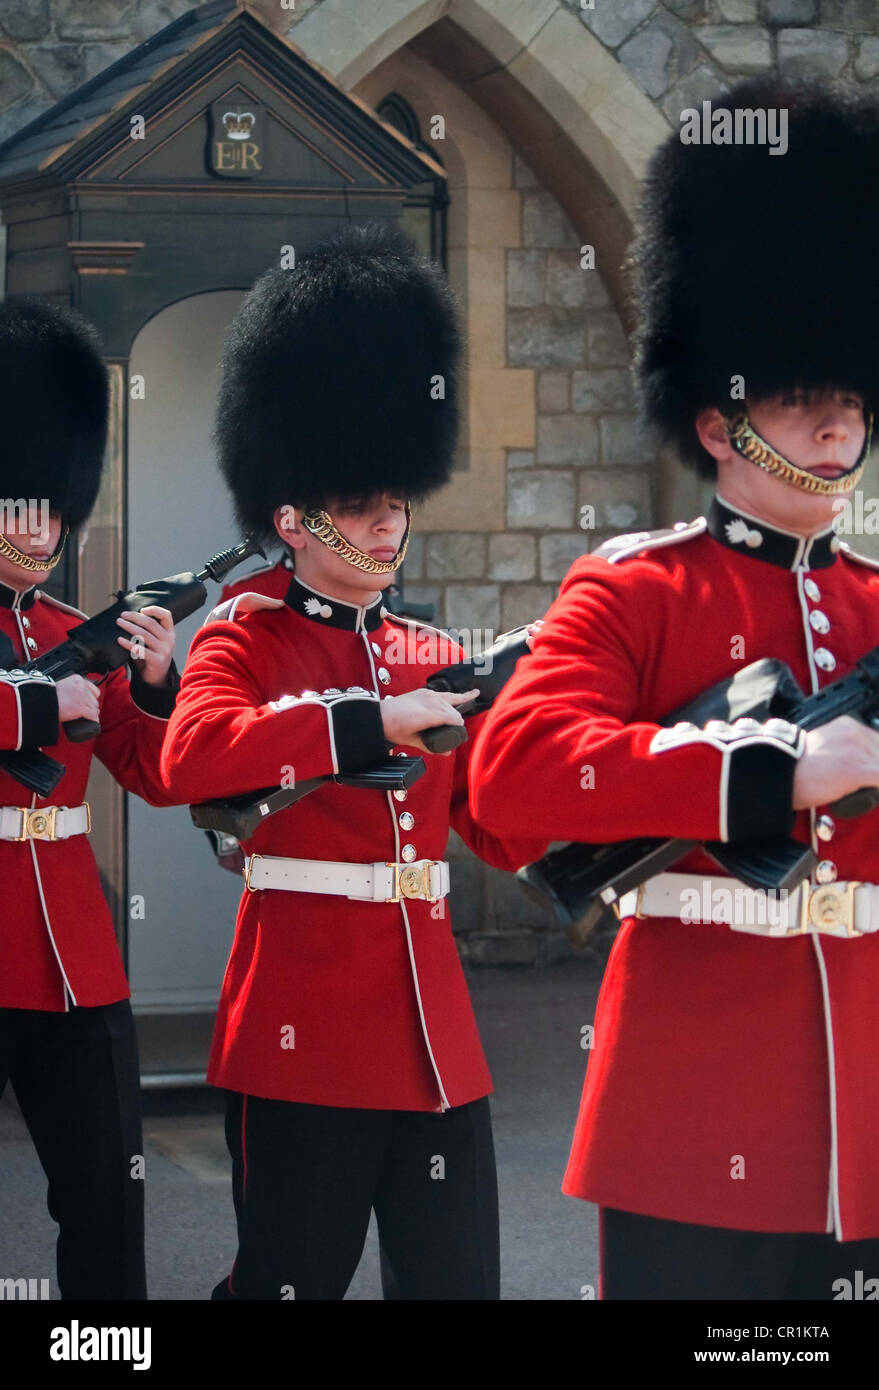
<point x="53" y="407"/>
<point x="330" y="384"/>
<point x="759" y="265"/>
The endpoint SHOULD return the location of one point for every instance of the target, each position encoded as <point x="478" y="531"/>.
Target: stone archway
<point x="575" y="113"/>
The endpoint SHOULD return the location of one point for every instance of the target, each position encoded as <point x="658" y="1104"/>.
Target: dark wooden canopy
<point x="243" y="147"/>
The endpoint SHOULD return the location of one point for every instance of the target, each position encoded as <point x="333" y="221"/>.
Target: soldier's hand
<point x="151" y="644"/>
<point x="840" y="757"/>
<point x="77" y="699"/>
<point x="404" y="715"/>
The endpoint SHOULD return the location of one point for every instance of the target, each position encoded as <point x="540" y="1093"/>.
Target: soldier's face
<point x="820" y="432"/>
<point x="36" y="534"/>
<point x="375" y="525"/>
<point x="823" y="433"/>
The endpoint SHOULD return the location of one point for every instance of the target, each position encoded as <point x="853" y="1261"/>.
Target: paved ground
<point x="530" y="1022"/>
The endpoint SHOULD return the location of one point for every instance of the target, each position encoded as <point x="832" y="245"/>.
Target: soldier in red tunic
<point x="729" y="1126"/>
<point x="67" y="1039"/>
<point x="345" y="1037"/>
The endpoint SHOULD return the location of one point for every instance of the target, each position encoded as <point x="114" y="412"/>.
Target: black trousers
<point x="75" y="1076"/>
<point x="305" y="1178"/>
<point x="643" y="1257"/>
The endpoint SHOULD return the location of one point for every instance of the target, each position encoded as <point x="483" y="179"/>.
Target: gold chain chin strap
<point x="27" y="562"/>
<point x="747" y="442"/>
<point x="321" y="525"/>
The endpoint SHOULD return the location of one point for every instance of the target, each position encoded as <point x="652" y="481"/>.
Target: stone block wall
<point x="588" y="474"/>
<point x="682" y="51"/>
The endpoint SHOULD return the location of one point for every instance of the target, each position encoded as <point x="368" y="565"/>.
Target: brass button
<point x="25" y="621"/>
<point x="820" y="621"/>
<point x="32" y="644"/>
<point x="812" y="590"/>
<point x="407" y="820"/>
<point x="824" y="660"/>
<point x="826" y="871"/>
<point x="408" y="853"/>
<point x="401" y="795"/>
<point x="383" y="676"/>
<point x="376" y="648"/>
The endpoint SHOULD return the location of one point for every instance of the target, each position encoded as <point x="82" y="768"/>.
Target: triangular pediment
<point x="215" y="99"/>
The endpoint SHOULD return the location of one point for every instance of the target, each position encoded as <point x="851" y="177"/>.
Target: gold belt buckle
<point x="251" y="860"/>
<point x="411" y="881"/>
<point x="38" y="824"/>
<point x="827" y="907"/>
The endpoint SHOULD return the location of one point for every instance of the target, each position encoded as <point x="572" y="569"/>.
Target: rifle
<point x="92" y="647"/>
<point x="579" y="881"/>
<point x="240" y="815"/>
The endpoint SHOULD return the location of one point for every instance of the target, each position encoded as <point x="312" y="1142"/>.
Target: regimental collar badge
<point x="332" y="612"/>
<point x="749" y="535"/>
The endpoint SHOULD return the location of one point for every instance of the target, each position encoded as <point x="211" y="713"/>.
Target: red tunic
<point x="57" y="943"/>
<point x="373" y="992"/>
<point x="709" y="1044"/>
<point x="272" y="580"/>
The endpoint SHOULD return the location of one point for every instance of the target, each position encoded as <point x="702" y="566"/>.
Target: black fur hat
<point x="329" y="378"/>
<point x="759" y="265"/>
<point x="53" y="407"/>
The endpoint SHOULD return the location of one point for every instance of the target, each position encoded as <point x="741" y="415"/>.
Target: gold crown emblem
<point x="238" y="125"/>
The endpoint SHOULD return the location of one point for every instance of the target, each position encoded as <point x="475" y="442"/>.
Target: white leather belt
<point x="44" y="823"/>
<point x="375" y="883"/>
<point x="846" y="908"/>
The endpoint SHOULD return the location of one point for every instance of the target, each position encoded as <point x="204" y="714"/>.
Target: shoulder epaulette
<point x="415" y="622"/>
<point x="239" y="605"/>
<point x="625" y="547"/>
<point x="56" y="603"/>
<point x="850" y="554"/>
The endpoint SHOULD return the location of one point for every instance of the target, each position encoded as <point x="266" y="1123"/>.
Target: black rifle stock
<point x="92" y="648"/>
<point x="578" y="881"/>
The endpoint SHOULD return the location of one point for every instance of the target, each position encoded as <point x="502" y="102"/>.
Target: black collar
<point x="333" y="612"/>
<point x="11" y="598"/>
<point x="750" y="536"/>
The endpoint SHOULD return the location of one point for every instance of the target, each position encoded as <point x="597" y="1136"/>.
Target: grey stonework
<point x="25" y="20"/>
<point x="660" y="53"/>
<point x="803" y="52"/>
<point x="853" y="15"/>
<point x="740" y="48"/>
<point x="512" y="557"/>
<point x="603" y="388"/>
<point x="736" y="11"/>
<point x="544" y="223"/>
<point x="553" y="394"/>
<point x="545" y="336"/>
<point x="620" y="500"/>
<point x="456" y="555"/>
<point x="558" y="552"/>
<point x="792" y="11"/>
<point x="567" y="439"/>
<point x="473" y="606"/>
<point x="612" y="23"/>
<point x="704" y="83"/>
<point x="520" y="458"/>
<point x="15" y="80"/>
<point x="539" y="498"/>
<point x="522" y="603"/>
<point x="867" y="60"/>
